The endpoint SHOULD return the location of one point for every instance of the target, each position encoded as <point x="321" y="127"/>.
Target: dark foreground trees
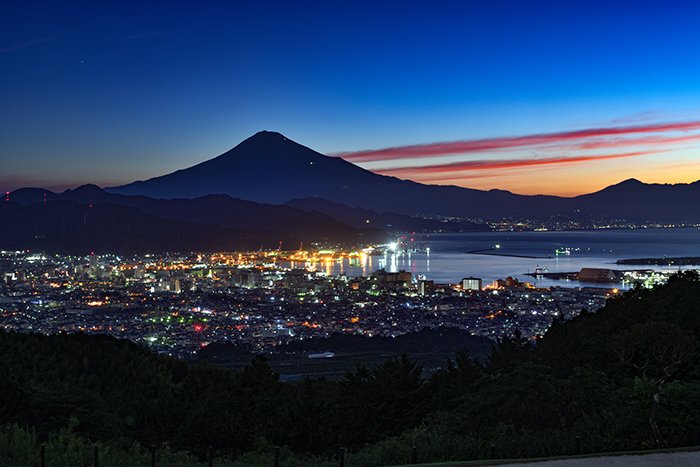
<point x="625" y="378"/>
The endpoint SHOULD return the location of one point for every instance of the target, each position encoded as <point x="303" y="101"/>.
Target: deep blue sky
<point x="130" y="91"/>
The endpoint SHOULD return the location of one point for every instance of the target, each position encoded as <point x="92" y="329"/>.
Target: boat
<point x="322" y="355"/>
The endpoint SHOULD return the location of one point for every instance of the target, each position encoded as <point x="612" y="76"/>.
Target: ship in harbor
<point x="321" y="355"/>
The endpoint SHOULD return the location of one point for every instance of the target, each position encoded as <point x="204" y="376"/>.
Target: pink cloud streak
<point x="426" y="172"/>
<point x="490" y="144"/>
<point x="625" y="142"/>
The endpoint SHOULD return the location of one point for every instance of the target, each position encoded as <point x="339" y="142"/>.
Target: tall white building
<point x="471" y="283"/>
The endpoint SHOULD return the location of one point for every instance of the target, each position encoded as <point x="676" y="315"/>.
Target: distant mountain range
<point x="269" y="189"/>
<point x="220" y="210"/>
<point x="67" y="227"/>
<point x="270" y="168"/>
<point x="91" y="219"/>
<point x="635" y="200"/>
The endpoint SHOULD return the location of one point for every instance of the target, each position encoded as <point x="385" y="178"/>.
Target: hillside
<point x="625" y="378"/>
<point x="90" y="219"/>
<point x="67" y="227"/>
<point x="433" y="340"/>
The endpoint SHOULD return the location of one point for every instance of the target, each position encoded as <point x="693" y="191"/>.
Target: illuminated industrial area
<point x="178" y="304"/>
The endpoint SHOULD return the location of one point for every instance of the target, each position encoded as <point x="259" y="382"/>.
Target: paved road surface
<point x="665" y="459"/>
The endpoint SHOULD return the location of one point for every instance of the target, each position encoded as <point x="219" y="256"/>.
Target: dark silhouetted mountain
<point x="360" y="217"/>
<point x="230" y="212"/>
<point x="216" y="210"/>
<point x="27" y="196"/>
<point x="271" y="168"/>
<point x="632" y="199"/>
<point x="73" y="228"/>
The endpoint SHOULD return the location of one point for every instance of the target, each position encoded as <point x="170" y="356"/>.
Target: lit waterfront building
<point x="471" y="283"/>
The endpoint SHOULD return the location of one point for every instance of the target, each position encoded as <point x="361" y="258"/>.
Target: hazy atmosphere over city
<point x="359" y="234"/>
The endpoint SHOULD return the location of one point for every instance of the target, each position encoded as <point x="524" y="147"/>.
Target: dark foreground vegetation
<point x="625" y="378"/>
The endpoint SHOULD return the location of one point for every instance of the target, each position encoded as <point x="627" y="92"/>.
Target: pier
<point x="494" y="252"/>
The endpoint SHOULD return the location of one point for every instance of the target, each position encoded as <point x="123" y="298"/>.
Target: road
<point x="664" y="459"/>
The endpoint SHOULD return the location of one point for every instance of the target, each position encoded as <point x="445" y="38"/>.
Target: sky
<point x="533" y="97"/>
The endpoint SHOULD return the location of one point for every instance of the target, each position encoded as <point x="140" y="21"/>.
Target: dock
<point x="494" y="252"/>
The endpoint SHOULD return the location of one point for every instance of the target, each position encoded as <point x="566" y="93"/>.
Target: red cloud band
<point x="483" y="164"/>
<point x="625" y="142"/>
<point x="489" y="144"/>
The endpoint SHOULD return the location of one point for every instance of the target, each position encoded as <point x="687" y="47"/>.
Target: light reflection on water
<point x="448" y="261"/>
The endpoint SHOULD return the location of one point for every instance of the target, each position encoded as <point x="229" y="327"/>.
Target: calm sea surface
<point x="448" y="261"/>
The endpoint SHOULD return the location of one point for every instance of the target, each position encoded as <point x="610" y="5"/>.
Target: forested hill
<point x="625" y="378"/>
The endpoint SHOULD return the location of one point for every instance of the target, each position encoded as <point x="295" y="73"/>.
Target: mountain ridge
<point x="270" y="168"/>
<point x="245" y="172"/>
<point x="214" y="209"/>
<point x="88" y="218"/>
<point x="68" y="227"/>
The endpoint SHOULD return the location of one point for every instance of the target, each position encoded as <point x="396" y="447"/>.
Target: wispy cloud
<point x="626" y="142"/>
<point x="455" y="170"/>
<point x="646" y="116"/>
<point x="500" y="143"/>
<point x="39" y="40"/>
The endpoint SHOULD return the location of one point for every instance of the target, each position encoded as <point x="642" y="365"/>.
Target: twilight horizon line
<point x="446" y="173"/>
<point x="93" y="94"/>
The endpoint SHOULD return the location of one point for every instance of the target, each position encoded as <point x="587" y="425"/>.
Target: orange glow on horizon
<point x="564" y="163"/>
<point x="571" y="180"/>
